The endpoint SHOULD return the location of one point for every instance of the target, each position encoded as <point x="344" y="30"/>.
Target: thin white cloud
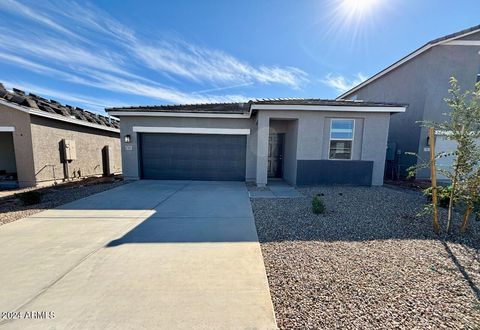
<point x="17" y="8"/>
<point x="115" y="65"/>
<point x="55" y="50"/>
<point x="110" y="82"/>
<point x="202" y="64"/>
<point x="126" y="86"/>
<point x="342" y="84"/>
<point x="91" y="18"/>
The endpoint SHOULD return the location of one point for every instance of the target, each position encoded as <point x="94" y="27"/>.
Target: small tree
<point x="463" y="127"/>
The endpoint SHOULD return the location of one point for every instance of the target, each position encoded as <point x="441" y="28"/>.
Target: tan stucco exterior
<point x="37" y="146"/>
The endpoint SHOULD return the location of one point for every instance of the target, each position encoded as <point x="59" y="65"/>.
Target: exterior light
<point x="127" y="139"/>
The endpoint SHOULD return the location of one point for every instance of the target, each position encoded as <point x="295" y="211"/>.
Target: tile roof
<point x="234" y="108"/>
<point x="36" y="102"/>
<point x="325" y="102"/>
<point x="244" y="107"/>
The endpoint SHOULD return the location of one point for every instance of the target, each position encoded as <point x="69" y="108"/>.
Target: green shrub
<point x="443" y="195"/>
<point x="318" y="206"/>
<point x="30" y="197"/>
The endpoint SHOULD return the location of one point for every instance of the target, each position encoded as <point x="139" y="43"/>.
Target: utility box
<point x="69" y="150"/>
<point x="391" y="151"/>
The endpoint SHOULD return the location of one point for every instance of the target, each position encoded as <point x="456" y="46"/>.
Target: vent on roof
<point x="19" y="91"/>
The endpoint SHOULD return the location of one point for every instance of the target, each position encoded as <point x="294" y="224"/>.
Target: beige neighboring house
<point x="44" y="142"/>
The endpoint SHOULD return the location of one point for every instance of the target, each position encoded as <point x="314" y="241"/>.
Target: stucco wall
<point x="47" y="135"/>
<point x="462" y="62"/>
<point x="130" y="157"/>
<point x="305" y="131"/>
<point x="22" y="141"/>
<point x="423" y="83"/>
<point x="370" y="141"/>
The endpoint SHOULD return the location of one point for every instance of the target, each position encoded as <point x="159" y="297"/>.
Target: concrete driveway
<point x="150" y="254"/>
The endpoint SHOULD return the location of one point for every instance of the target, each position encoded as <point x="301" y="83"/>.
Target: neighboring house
<point x="421" y="80"/>
<point x="303" y="141"/>
<point x="44" y="142"/>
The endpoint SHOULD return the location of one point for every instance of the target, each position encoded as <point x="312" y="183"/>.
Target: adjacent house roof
<point x="245" y="108"/>
<point x="442" y="40"/>
<point x="41" y="106"/>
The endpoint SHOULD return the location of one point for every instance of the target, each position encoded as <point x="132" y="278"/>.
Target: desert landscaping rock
<point x="11" y="208"/>
<point x="369" y="262"/>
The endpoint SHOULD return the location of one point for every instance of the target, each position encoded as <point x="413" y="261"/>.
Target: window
<point x="341" y="138"/>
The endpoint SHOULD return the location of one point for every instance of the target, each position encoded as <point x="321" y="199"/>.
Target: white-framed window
<point x="342" y="132"/>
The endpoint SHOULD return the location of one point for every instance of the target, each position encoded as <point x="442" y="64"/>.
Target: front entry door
<point x="275" y="155"/>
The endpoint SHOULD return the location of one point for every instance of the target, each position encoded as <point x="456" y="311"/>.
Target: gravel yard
<point x="369" y="262"/>
<point x="11" y="209"/>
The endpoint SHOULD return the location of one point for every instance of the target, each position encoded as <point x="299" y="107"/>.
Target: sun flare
<point x="358" y="8"/>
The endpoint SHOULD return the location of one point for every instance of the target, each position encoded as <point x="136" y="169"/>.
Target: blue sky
<point x="116" y="53"/>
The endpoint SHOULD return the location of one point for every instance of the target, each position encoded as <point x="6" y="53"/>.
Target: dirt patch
<point x="11" y="208"/>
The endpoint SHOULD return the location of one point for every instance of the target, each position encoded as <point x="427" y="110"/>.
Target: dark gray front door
<point x="193" y="157"/>
<point x="275" y="155"/>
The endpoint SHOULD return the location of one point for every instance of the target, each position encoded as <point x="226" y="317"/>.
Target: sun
<point x="357" y="8"/>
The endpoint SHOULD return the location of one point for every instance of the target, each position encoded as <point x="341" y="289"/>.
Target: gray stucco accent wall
<point x="354" y="172"/>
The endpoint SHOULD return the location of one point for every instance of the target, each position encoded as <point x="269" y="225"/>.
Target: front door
<point x="275" y="155"/>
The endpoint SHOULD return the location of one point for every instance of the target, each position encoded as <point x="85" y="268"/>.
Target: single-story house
<point x="44" y="142"/>
<point x="302" y="141"/>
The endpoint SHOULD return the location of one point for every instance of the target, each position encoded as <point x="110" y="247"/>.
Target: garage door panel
<point x="193" y="157"/>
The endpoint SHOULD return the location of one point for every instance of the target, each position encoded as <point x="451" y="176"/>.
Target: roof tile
<point x="33" y="101"/>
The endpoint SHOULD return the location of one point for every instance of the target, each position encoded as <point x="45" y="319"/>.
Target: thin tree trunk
<point x="450" y="202"/>
<point x="466" y="218"/>
<point x="431" y="134"/>
<point x="454" y="186"/>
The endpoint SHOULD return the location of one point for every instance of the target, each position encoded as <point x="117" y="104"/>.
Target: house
<point x="43" y="142"/>
<point x="302" y="141"/>
<point x="421" y="80"/>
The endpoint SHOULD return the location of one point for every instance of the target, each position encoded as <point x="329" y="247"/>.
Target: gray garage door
<point x="193" y="157"/>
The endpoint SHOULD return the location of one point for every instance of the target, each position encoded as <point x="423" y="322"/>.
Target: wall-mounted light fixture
<point x="127" y="139"/>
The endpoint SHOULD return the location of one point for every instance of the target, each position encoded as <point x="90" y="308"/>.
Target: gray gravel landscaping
<point x="369" y="262"/>
<point x="11" y="208"/>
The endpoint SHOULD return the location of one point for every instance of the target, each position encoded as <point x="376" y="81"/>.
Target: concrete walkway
<point x="150" y="254"/>
<point x="276" y="189"/>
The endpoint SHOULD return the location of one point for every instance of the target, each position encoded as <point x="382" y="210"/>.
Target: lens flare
<point x="357" y="9"/>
